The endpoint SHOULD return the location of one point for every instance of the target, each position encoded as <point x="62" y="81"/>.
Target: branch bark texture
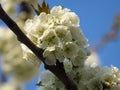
<point x="57" y="70"/>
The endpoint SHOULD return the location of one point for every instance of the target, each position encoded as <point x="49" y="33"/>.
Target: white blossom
<point x="94" y="84"/>
<point x="49" y="56"/>
<point x="78" y="36"/>
<point x="93" y="59"/>
<point x="12" y="61"/>
<point x="47" y="88"/>
<point x="10" y="6"/>
<point x="70" y="19"/>
<point x="52" y="54"/>
<point x="67" y="65"/>
<point x="48" y="39"/>
<point x="57" y="12"/>
<point x="70" y="49"/>
<point x="47" y="78"/>
<point x="63" y="33"/>
<point x="11" y="85"/>
<point x="79" y="60"/>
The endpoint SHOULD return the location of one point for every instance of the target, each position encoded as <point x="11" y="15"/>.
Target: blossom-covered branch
<point x="60" y="73"/>
<point x="55" y="37"/>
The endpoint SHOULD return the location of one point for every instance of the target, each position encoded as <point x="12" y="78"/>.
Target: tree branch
<point x="55" y="69"/>
<point x="110" y="36"/>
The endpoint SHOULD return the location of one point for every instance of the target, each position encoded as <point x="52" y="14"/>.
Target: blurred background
<point x="100" y="23"/>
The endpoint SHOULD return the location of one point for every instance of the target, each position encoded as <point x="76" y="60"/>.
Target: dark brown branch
<point x="69" y="84"/>
<point x="56" y="70"/>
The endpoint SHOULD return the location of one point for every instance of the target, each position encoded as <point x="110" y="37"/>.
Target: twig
<point x="25" y="7"/>
<point x="56" y="70"/>
<point x="110" y="36"/>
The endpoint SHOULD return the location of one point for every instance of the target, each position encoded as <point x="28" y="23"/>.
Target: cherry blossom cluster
<point x="59" y="35"/>
<point x="86" y="78"/>
<point x="61" y="38"/>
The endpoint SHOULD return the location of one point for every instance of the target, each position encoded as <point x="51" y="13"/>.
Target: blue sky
<point x="96" y="18"/>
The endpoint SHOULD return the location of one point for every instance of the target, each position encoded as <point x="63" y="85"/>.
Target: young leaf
<point x="42" y="8"/>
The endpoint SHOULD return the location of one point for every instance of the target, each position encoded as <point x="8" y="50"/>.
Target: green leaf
<point x="36" y="11"/>
<point x="42" y="8"/>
